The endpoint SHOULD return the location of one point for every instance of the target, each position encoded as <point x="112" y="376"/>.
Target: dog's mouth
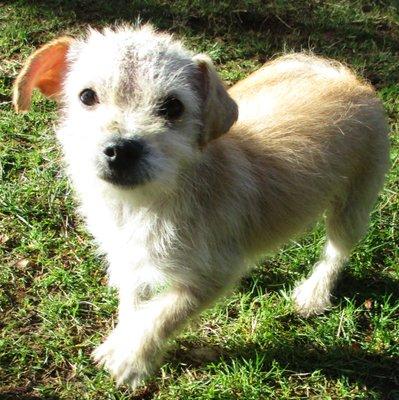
<point x="130" y="177"/>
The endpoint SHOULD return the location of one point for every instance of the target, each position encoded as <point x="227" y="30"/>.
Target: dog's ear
<point x="45" y="70"/>
<point x="219" y="111"/>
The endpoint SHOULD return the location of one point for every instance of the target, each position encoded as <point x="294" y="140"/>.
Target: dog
<point x="184" y="184"/>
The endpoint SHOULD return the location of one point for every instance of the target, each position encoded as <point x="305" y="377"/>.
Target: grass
<point x="54" y="305"/>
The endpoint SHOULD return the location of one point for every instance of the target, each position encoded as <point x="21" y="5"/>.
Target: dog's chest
<point x="135" y="237"/>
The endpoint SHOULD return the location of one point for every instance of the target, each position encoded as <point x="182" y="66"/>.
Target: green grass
<point x="54" y="305"/>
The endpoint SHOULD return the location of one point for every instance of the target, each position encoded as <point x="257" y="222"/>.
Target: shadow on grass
<point x="259" y="31"/>
<point x="23" y="393"/>
<point x="276" y="276"/>
<point x="377" y="372"/>
<point x="299" y="358"/>
<point x="372" y="285"/>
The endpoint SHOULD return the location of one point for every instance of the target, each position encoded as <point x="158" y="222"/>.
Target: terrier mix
<point x="183" y="184"/>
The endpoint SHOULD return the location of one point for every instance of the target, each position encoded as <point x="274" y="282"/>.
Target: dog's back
<point x="314" y="134"/>
<point x="306" y="107"/>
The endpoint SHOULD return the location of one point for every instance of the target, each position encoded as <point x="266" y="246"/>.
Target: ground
<point x="54" y="304"/>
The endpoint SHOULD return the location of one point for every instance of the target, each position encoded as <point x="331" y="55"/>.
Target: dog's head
<point x="136" y="105"/>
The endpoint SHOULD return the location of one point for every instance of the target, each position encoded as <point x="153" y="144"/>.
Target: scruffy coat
<point x="237" y="175"/>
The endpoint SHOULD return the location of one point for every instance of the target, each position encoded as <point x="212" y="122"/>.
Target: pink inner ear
<point x="48" y="70"/>
<point x="45" y="70"/>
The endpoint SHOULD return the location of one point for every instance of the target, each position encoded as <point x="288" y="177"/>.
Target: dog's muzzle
<point x="123" y="162"/>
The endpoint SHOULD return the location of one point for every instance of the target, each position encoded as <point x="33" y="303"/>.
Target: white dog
<point x="183" y="184"/>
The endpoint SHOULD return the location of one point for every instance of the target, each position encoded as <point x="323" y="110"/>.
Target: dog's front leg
<point x="134" y="348"/>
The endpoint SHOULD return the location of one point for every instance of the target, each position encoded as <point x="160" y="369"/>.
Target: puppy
<point x="184" y="184"/>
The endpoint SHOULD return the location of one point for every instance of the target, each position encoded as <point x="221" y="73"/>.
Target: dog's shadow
<point x="378" y="371"/>
<point x="374" y="372"/>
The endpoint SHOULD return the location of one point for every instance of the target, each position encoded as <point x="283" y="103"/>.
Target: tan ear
<point x="44" y="70"/>
<point x="220" y="111"/>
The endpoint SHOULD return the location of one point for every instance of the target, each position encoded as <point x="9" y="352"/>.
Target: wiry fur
<point x="310" y="139"/>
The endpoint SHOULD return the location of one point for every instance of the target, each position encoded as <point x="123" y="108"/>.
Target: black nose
<point x="122" y="153"/>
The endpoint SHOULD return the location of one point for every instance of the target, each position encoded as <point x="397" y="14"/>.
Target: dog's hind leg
<point x="346" y="223"/>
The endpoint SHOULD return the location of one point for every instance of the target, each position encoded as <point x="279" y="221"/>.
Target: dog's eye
<point x="88" y="97"/>
<point x="171" y="108"/>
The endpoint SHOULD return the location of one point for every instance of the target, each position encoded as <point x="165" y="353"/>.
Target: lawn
<point x="54" y="303"/>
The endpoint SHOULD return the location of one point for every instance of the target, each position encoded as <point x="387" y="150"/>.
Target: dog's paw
<point x="123" y="359"/>
<point x="310" y="298"/>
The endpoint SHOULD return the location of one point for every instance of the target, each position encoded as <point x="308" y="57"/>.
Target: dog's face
<point x="137" y="106"/>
